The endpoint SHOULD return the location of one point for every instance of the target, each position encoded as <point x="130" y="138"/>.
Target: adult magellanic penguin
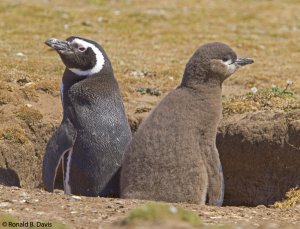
<point x="173" y="155"/>
<point x="94" y="131"/>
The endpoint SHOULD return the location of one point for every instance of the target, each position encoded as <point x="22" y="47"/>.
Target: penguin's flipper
<point x="59" y="144"/>
<point x="215" y="192"/>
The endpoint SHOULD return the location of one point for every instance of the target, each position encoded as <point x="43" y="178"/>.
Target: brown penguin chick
<point x="173" y="155"/>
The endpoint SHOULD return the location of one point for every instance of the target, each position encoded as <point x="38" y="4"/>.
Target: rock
<point x="260" y="156"/>
<point x="74" y="198"/>
<point x="4" y="204"/>
<point x="20" y="54"/>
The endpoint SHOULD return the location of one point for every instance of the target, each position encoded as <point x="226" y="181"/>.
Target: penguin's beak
<point x="241" y="61"/>
<point x="58" y="45"/>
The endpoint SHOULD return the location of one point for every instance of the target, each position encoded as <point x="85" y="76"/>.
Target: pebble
<point x="138" y="74"/>
<point x="117" y="12"/>
<point x="28" y="84"/>
<point x="74" y="198"/>
<point x="101" y="19"/>
<point x="20" y="54"/>
<point x="4" y="204"/>
<point x="59" y="192"/>
<point x="40" y="213"/>
<point x="119" y="202"/>
<point x="9" y="210"/>
<point x="173" y="209"/>
<point x="23" y="194"/>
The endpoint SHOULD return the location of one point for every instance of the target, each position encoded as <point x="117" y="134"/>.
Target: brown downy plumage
<point x="173" y="155"/>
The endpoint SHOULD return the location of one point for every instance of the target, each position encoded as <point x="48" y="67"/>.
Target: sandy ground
<point x="88" y="212"/>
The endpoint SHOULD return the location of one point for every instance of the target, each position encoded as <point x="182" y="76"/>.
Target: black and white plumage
<point x="94" y="131"/>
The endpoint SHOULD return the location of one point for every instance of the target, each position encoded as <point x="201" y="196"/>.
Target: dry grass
<point x="14" y="135"/>
<point x="292" y="199"/>
<point x="155" y="39"/>
<point x="29" y="115"/>
<point x="265" y="99"/>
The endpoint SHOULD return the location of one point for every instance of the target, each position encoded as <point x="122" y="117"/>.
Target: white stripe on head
<point x="231" y="67"/>
<point x="99" y="59"/>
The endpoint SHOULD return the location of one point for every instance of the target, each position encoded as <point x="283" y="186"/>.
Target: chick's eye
<point x="81" y="49"/>
<point x="226" y="58"/>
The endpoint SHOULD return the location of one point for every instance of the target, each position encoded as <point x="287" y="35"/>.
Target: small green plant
<point x="29" y="115"/>
<point x="158" y="211"/>
<point x="263" y="99"/>
<point x="13" y="134"/>
<point x="283" y="91"/>
<point x="149" y="91"/>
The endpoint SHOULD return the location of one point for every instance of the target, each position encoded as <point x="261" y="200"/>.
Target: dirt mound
<point x="259" y="152"/>
<point x="260" y="156"/>
<point x="24" y="132"/>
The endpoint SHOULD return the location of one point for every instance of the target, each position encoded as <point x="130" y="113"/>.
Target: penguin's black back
<point x="97" y="112"/>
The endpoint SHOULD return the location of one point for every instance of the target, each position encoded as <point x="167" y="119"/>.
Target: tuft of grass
<point x="160" y="212"/>
<point x="264" y="99"/>
<point x="98" y="2"/>
<point x="4" y="217"/>
<point x="30" y="94"/>
<point x="5" y="98"/>
<point x="149" y="91"/>
<point x="48" y="86"/>
<point x="29" y="115"/>
<point x="292" y="199"/>
<point x="13" y="134"/>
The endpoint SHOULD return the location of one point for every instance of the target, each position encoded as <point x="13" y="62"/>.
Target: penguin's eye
<point x="226" y="58"/>
<point x="81" y="49"/>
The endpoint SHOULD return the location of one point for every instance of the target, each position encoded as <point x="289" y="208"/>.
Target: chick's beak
<point x="241" y="61"/>
<point x="58" y="45"/>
